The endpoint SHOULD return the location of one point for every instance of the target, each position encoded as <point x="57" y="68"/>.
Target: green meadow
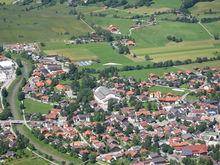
<point x="36" y="107"/>
<point x="154" y="36"/>
<point x="144" y="73"/>
<point x="166" y="90"/>
<point x="44" y="24"/>
<point x="28" y="159"/>
<point x="211" y="64"/>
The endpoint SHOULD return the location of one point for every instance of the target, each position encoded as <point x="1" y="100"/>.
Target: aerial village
<point x="120" y="117"/>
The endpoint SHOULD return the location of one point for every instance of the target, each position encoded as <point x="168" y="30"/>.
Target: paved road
<point x="15" y="113"/>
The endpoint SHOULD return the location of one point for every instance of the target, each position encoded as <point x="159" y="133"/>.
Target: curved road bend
<point x="15" y="113"/>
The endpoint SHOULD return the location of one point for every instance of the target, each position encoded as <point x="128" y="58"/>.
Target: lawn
<point x="29" y="159"/>
<point x="211" y="64"/>
<point x="166" y="90"/>
<point x="181" y="51"/>
<point x="75" y="54"/>
<point x="213" y="27"/>
<point x="102" y="51"/>
<point x="44" y="24"/>
<point x="191" y="97"/>
<point x="122" y="24"/>
<point x="202" y="7"/>
<point x="185" y="55"/>
<point x="36" y="107"/>
<point x="159" y="5"/>
<point x="156" y="36"/>
<point x="6" y="1"/>
<point x="144" y="73"/>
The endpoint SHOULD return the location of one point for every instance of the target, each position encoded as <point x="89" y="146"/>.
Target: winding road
<point x="15" y="113"/>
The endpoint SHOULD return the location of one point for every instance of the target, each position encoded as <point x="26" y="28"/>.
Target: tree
<point x="85" y="157"/>
<point x="92" y="157"/>
<point x="4" y="92"/>
<point x="201" y="127"/>
<point x="18" y="72"/>
<point x="19" y="63"/>
<point x="21" y="96"/>
<point x="135" y="140"/>
<point x="129" y="130"/>
<point x="99" y="129"/>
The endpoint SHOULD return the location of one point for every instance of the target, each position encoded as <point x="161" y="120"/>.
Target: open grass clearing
<point x="6" y="1"/>
<point x="44" y="24"/>
<point x="75" y="54"/>
<point x="28" y="159"/>
<point x="185" y="55"/>
<point x="211" y="64"/>
<point x="144" y="73"/>
<point x="102" y="51"/>
<point x="166" y="90"/>
<point x="122" y="24"/>
<point x="36" y="107"/>
<point x="159" y="5"/>
<point x="156" y="36"/>
<point x="202" y="7"/>
<point x="213" y="27"/>
<point x="178" y="47"/>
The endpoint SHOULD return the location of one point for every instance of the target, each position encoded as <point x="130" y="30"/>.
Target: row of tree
<point x="208" y="20"/>
<point x="175" y="39"/>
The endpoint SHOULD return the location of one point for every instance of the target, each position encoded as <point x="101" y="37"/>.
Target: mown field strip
<point x="185" y="55"/>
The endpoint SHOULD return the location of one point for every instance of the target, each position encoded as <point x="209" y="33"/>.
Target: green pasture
<point x="36" y="107"/>
<point x="166" y="90"/>
<point x="122" y="24"/>
<point x="213" y="27"/>
<point x="159" y="5"/>
<point x="156" y="36"/>
<point x="43" y="24"/>
<point x="211" y="64"/>
<point x="202" y="7"/>
<point x="144" y="73"/>
<point x="28" y="159"/>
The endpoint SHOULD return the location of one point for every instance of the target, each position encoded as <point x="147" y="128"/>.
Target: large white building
<point x="3" y="76"/>
<point x="6" y="64"/>
<point x="102" y="95"/>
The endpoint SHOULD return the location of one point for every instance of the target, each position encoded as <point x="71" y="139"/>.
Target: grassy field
<point x="213" y="27"/>
<point x="122" y="24"/>
<point x="211" y="64"/>
<point x="181" y="51"/>
<point x="144" y="73"/>
<point x="166" y="90"/>
<point x="29" y="159"/>
<point x="75" y="54"/>
<point x="202" y="7"/>
<point x="45" y="24"/>
<point x="36" y="107"/>
<point x="6" y="1"/>
<point x="102" y="51"/>
<point x="155" y="36"/>
<point x="159" y="5"/>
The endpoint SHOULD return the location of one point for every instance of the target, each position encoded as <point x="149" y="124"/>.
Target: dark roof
<point x="186" y="152"/>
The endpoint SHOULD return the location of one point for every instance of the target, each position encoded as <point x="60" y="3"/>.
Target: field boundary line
<point x="203" y="26"/>
<point x="87" y="24"/>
